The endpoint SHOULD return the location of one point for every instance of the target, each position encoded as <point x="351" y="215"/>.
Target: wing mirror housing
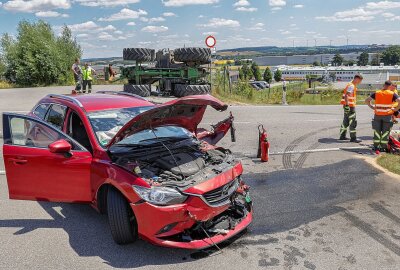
<point x="61" y="147"/>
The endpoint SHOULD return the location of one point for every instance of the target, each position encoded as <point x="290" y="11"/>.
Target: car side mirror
<point x="60" y="147"/>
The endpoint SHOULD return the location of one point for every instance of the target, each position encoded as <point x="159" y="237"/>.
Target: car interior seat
<point x="78" y="132"/>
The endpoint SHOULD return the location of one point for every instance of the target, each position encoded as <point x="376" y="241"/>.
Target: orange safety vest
<point x="351" y="99"/>
<point x="384" y="102"/>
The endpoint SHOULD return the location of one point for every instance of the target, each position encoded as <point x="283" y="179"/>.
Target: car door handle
<point x="18" y="161"/>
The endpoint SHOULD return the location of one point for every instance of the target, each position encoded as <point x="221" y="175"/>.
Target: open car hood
<point x="186" y="112"/>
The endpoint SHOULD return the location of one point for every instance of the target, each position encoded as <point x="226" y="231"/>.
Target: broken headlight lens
<point x="160" y="195"/>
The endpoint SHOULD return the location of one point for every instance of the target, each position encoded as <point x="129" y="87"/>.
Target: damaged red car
<point x="148" y="167"/>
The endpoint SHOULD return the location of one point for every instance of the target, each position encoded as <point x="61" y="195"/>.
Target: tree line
<point x="36" y="56"/>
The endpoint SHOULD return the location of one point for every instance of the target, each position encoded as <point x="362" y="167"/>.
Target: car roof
<point x="98" y="102"/>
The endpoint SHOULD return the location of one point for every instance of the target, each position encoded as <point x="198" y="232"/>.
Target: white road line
<point x="321" y="150"/>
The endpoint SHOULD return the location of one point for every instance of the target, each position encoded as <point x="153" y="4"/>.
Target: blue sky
<point x="105" y="27"/>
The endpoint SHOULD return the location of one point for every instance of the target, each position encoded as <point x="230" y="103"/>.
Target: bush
<point x="37" y="57"/>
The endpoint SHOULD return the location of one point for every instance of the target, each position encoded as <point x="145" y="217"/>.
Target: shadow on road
<point x="283" y="200"/>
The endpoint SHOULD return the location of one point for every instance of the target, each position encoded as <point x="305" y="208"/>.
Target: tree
<point x="363" y="59"/>
<point x="268" y="75"/>
<point x="256" y="71"/>
<point x="376" y="59"/>
<point x="249" y="74"/>
<point x="349" y="63"/>
<point x="391" y="56"/>
<point x="37" y="57"/>
<point x="278" y="76"/>
<point x="241" y="75"/>
<point x="316" y="64"/>
<point x="337" y="60"/>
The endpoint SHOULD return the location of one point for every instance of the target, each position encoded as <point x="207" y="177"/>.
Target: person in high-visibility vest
<point x="384" y="109"/>
<point x="87" y="76"/>
<point x="349" y="107"/>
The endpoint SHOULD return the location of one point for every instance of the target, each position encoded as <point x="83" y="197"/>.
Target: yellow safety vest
<point x="351" y="99"/>
<point x="87" y="74"/>
<point x="384" y="102"/>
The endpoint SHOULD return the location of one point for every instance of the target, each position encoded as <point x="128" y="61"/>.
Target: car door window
<point x="41" y="110"/>
<point x="26" y="132"/>
<point x="56" y="115"/>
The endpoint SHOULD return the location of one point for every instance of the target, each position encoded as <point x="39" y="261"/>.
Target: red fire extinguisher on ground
<point x="263" y="144"/>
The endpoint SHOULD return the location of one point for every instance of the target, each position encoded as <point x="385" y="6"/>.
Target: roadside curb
<point x="372" y="161"/>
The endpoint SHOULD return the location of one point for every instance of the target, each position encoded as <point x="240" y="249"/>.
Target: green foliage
<point x="256" y="71"/>
<point x="267" y="75"/>
<point x="316" y="64"/>
<point x="391" y="56"/>
<point x="37" y="57"/>
<point x="376" y="60"/>
<point x="363" y="59"/>
<point x="241" y="75"/>
<point x="247" y="72"/>
<point x="278" y="76"/>
<point x="337" y="60"/>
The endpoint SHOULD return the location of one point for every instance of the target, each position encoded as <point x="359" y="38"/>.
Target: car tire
<point x="121" y="218"/>
<point x="198" y="55"/>
<point x="142" y="90"/>
<point x="138" y="54"/>
<point x="183" y="90"/>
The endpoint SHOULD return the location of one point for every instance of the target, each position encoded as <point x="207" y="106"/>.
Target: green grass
<point x="390" y="162"/>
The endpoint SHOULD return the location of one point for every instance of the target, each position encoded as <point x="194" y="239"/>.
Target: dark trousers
<point x="381" y="124"/>
<point x="87" y="83"/>
<point x="78" y="82"/>
<point x="349" y="123"/>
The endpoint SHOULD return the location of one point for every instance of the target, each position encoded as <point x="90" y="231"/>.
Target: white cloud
<point x="31" y="6"/>
<point x="106" y="3"/>
<point x="105" y="36"/>
<point x="219" y="22"/>
<point x="118" y="32"/>
<point x="131" y="23"/>
<point x="180" y="3"/>
<point x="353" y="15"/>
<point x="125" y="14"/>
<point x="277" y="3"/>
<point x="397" y="18"/>
<point x="388" y="15"/>
<point x="83" y="27"/>
<point x="154" y="29"/>
<point x="276" y="8"/>
<point x="246" y="9"/>
<point x="210" y="33"/>
<point x="286" y="32"/>
<point x="82" y="35"/>
<point x="259" y="25"/>
<point x="353" y="30"/>
<point x="241" y="3"/>
<point x="298" y="6"/>
<point x="50" y="14"/>
<point x="157" y="19"/>
<point x="382" y="5"/>
<point x="169" y="14"/>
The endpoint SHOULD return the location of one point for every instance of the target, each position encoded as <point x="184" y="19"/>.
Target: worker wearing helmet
<point x="349" y="106"/>
<point x="87" y="75"/>
<point x="383" y="108"/>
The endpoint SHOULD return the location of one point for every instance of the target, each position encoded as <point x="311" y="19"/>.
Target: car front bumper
<point x="173" y="226"/>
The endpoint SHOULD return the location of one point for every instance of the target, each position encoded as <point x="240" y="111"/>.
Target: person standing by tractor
<point x="349" y="107"/>
<point x="384" y="109"/>
<point x="87" y="74"/>
<point x="77" y="70"/>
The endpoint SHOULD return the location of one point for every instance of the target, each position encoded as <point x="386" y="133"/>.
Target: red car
<point x="149" y="167"/>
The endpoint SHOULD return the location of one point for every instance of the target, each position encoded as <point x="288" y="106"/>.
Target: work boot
<point x="355" y="140"/>
<point x="90" y="91"/>
<point x="343" y="138"/>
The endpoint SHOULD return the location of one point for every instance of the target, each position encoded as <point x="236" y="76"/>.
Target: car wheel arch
<point x="101" y="196"/>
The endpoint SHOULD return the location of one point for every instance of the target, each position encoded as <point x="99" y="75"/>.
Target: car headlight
<point x="160" y="195"/>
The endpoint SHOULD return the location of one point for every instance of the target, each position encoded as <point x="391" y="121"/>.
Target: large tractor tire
<point x="121" y="218"/>
<point x="183" y="90"/>
<point x="142" y="90"/>
<point x="197" y="55"/>
<point x="139" y="54"/>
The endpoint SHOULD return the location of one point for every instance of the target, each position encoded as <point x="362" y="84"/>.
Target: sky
<point x="105" y="27"/>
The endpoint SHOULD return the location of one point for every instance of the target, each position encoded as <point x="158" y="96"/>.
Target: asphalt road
<point x="316" y="207"/>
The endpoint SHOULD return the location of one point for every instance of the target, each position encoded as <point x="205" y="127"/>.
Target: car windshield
<point x="107" y="123"/>
<point x="150" y="136"/>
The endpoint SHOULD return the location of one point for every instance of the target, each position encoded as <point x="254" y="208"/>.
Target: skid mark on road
<point x="370" y="231"/>
<point x="382" y="210"/>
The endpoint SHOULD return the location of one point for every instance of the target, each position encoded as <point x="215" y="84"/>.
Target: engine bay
<point x="175" y="163"/>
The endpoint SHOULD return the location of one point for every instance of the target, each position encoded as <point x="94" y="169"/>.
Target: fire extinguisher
<point x="263" y="144"/>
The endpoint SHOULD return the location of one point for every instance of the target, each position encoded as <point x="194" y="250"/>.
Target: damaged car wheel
<point x="121" y="218"/>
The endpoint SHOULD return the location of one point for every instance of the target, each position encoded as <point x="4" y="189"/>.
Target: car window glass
<point x="30" y="133"/>
<point x="56" y="115"/>
<point x="41" y="110"/>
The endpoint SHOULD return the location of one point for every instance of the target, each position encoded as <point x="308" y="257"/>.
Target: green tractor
<point x="180" y="72"/>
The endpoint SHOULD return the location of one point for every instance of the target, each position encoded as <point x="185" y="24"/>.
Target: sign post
<point x="210" y="43"/>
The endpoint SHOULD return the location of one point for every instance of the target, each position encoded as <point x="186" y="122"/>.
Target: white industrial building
<point x="374" y="76"/>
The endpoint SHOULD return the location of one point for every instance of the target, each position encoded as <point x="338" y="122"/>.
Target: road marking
<point x="320" y="150"/>
<point x="2" y="172"/>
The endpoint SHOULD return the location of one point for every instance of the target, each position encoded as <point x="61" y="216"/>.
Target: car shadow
<point x="283" y="200"/>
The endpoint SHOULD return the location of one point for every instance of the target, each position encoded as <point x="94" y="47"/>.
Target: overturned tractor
<point x="180" y="72"/>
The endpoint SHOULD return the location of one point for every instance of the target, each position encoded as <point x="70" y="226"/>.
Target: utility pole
<point x="315" y="42"/>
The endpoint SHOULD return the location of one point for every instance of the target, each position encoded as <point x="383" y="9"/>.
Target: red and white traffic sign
<point x="211" y="42"/>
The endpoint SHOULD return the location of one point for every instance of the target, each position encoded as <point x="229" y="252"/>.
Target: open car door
<point x="42" y="163"/>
